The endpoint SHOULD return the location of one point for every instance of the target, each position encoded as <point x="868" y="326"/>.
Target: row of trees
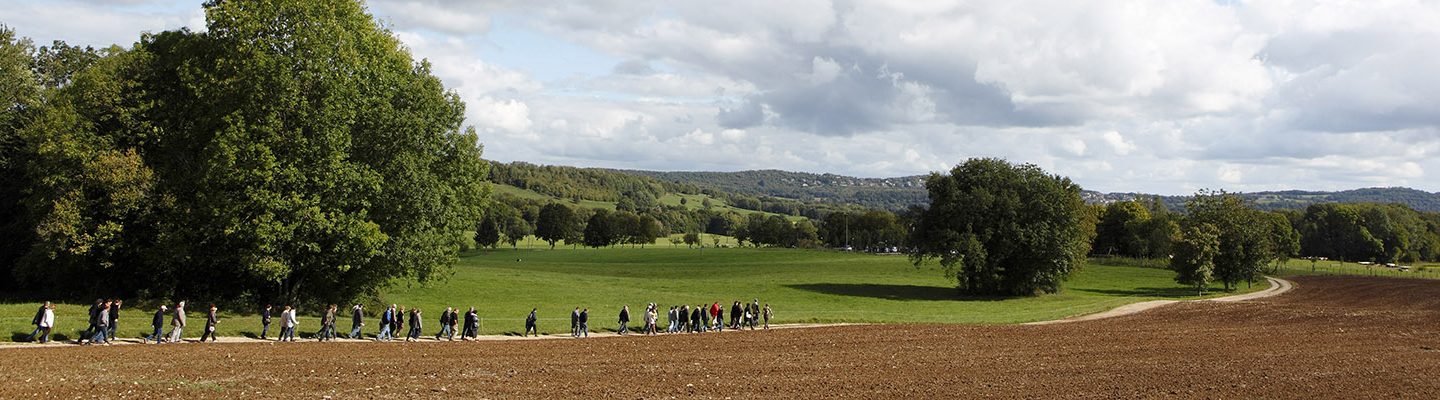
<point x="292" y="151"/>
<point x="1385" y="233"/>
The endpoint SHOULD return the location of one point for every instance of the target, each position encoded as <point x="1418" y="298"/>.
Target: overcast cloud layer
<point x="1163" y="96"/>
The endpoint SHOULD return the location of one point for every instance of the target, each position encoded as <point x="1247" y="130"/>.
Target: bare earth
<point x="1331" y="337"/>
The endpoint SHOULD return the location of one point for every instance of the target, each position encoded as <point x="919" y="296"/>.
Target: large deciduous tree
<point x="1195" y="253"/>
<point x="555" y="223"/>
<point x="1245" y="241"/>
<point x="1003" y="229"/>
<point x="293" y="150"/>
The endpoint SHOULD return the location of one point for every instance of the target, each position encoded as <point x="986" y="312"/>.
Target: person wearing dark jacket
<point x="102" y="319"/>
<point x="327" y="324"/>
<point x="387" y="319"/>
<point x="94" y="313"/>
<point x="585" y="322"/>
<point x="575" y="322"/>
<point x="39" y="317"/>
<point x="695" y="319"/>
<point x="735" y="315"/>
<point x="114" y="317"/>
<point x="158" y="323"/>
<point x="211" y="319"/>
<point x="454" y="323"/>
<point x="624" y="319"/>
<point x="530" y="323"/>
<point x="415" y="325"/>
<point x="445" y="317"/>
<point x="357" y="320"/>
<point x="472" y="325"/>
<point x="264" y="322"/>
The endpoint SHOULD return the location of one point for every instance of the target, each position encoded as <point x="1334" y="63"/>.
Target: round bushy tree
<point x="1003" y="229"/>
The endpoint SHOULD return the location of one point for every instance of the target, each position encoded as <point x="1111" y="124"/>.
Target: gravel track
<point x="1331" y="337"/>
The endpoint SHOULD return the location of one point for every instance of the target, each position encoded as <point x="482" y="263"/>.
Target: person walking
<point x="472" y="325"/>
<point x="715" y="319"/>
<point x="704" y="318"/>
<point x="47" y="322"/>
<point x="102" y="323"/>
<point x="415" y="325"/>
<point x="697" y="323"/>
<point x="454" y="323"/>
<point x="94" y="312"/>
<point x="746" y="319"/>
<point x="210" y="320"/>
<point x="624" y="319"/>
<point x="444" y="324"/>
<point x="357" y="321"/>
<point x="400" y="315"/>
<point x="735" y="315"/>
<point x="684" y="316"/>
<point x="530" y="323"/>
<point x="719" y="317"/>
<point x="177" y="323"/>
<point x="158" y="323"/>
<point x="39" y="315"/>
<point x="387" y="319"/>
<point x="287" y="324"/>
<point x="672" y="322"/>
<point x="767" y="313"/>
<point x="755" y="319"/>
<point x="327" y="324"/>
<point x="114" y="318"/>
<point x="585" y="322"/>
<point x="265" y="322"/>
<point x="575" y="322"/>
<point x="650" y="319"/>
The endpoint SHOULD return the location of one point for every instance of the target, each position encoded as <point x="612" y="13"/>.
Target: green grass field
<point x="801" y="286"/>
<point x="1332" y="267"/>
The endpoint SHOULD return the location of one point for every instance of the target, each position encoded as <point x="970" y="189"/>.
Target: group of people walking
<point x="105" y="316"/>
<point x="702" y="318"/>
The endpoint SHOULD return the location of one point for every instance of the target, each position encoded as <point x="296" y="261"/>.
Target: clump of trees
<point x="294" y="150"/>
<point x="1230" y="240"/>
<point x="1385" y="233"/>
<point x="1003" y="229"/>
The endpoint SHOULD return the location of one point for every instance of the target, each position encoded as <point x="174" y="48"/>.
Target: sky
<point x="1165" y="96"/>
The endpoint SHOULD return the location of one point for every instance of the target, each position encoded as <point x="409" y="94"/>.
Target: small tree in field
<point x="692" y="239"/>
<point x="1195" y="252"/>
<point x="675" y="241"/>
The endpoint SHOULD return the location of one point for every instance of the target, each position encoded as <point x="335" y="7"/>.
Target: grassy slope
<point x="801" y="285"/>
<point x="692" y="201"/>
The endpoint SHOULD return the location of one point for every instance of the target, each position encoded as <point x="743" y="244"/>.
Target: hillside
<point x="880" y="193"/>
<point x="800" y="193"/>
<point x="1299" y="199"/>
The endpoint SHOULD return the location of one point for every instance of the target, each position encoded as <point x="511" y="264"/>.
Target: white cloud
<point x="1166" y="96"/>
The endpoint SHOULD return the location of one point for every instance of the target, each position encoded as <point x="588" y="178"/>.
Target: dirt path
<point x="1329" y="337"/>
<point x="1277" y="286"/>
<point x="423" y="338"/>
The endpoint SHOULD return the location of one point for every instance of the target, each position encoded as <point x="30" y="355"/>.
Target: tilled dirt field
<point x="1332" y="337"/>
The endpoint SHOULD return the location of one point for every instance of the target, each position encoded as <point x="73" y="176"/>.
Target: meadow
<point x="802" y="286"/>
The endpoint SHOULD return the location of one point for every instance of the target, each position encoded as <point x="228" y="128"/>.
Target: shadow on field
<point x="1147" y="291"/>
<point x="889" y="292"/>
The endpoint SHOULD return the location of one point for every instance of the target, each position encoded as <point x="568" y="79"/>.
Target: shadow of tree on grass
<point x="892" y="292"/>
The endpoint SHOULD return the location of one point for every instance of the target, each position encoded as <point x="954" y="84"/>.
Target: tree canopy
<point x="1003" y="229"/>
<point x="293" y="150"/>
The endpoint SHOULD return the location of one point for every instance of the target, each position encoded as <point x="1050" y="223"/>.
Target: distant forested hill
<point x="1299" y="199"/>
<point x="794" y="192"/>
<point x="880" y="193"/>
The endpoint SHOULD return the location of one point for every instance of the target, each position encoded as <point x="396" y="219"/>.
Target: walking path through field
<point x="423" y="338"/>
<point x="1277" y="286"/>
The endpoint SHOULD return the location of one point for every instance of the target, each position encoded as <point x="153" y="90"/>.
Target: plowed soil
<point x="1331" y="337"/>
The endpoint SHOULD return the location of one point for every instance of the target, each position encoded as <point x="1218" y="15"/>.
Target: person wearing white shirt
<point x="47" y="323"/>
